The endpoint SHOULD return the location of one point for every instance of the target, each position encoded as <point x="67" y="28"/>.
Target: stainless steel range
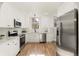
<point x="22" y="40"/>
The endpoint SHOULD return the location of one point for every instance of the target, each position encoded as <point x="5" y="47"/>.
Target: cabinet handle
<point x="8" y="44"/>
<point x="8" y="25"/>
<point x="15" y="44"/>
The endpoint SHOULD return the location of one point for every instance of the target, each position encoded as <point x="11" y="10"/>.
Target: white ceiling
<point x="39" y="7"/>
<point x="44" y="8"/>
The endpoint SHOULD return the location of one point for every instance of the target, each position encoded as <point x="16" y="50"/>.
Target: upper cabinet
<point x="23" y="21"/>
<point x="7" y="15"/>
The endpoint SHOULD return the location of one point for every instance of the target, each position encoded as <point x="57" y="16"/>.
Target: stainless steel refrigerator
<point x="67" y="32"/>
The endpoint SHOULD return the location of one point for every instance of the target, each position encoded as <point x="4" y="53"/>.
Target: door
<point x="68" y="39"/>
<point x="68" y="31"/>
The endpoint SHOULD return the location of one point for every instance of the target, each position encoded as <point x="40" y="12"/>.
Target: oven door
<point x="22" y="40"/>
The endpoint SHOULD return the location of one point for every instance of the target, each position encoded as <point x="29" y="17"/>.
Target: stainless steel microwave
<point x="17" y="24"/>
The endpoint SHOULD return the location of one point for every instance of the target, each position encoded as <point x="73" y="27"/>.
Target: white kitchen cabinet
<point x="4" y="49"/>
<point x="23" y="23"/>
<point x="16" y="46"/>
<point x="37" y="37"/>
<point x="10" y="48"/>
<point x="6" y="16"/>
<point x="49" y="37"/>
<point x="32" y="37"/>
<point x="10" y="23"/>
<point x="6" y="22"/>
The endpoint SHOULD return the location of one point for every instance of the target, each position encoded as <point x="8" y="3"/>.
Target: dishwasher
<point x="43" y="37"/>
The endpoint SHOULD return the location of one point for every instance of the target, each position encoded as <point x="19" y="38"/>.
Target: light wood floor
<point x="34" y="49"/>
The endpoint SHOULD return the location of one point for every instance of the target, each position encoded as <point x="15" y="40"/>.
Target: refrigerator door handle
<point x="75" y="33"/>
<point x="61" y="32"/>
<point x="74" y="27"/>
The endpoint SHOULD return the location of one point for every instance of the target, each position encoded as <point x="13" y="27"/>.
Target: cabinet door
<point x="23" y="23"/>
<point x="5" y="49"/>
<point x="16" y="46"/>
<point x="2" y="18"/>
<point x="29" y="37"/>
<point x="6" y="15"/>
<point x="50" y="37"/>
<point x="10" y="48"/>
<point x="26" y="38"/>
<point x="33" y="37"/>
<point x="36" y="37"/>
<point x="10" y="22"/>
<point x="2" y="50"/>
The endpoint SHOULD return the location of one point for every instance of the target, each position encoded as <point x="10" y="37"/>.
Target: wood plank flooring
<point x="41" y="49"/>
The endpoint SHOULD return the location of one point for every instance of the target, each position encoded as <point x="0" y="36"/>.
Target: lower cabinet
<point x="15" y="47"/>
<point x="51" y="37"/>
<point x="10" y="48"/>
<point x="4" y="49"/>
<point x="32" y="37"/>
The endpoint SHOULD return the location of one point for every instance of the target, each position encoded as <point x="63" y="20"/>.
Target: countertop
<point x="5" y="39"/>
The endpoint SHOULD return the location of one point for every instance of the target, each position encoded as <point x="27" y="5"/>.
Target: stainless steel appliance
<point x="43" y="38"/>
<point x="78" y="33"/>
<point x="17" y="24"/>
<point x="22" y="40"/>
<point x="67" y="33"/>
<point x="12" y="33"/>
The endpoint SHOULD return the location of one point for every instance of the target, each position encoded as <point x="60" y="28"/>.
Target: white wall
<point x="65" y="7"/>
